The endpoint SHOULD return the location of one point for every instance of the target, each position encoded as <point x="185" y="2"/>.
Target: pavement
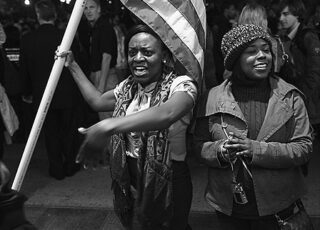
<point x="84" y="201"/>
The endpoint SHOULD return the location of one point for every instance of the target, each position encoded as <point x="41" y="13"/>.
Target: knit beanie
<point x="238" y="39"/>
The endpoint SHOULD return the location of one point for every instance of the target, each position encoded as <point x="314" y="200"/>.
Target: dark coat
<point x="37" y="53"/>
<point x="305" y="51"/>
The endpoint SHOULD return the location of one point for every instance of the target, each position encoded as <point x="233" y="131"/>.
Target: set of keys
<point x="239" y="195"/>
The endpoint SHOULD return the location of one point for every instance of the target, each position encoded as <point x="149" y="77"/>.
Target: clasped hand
<point x="236" y="146"/>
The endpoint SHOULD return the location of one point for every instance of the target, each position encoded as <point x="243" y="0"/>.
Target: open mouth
<point x="139" y="70"/>
<point x="261" y="66"/>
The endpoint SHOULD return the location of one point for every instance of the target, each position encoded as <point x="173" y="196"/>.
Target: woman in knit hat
<point x="254" y="134"/>
<point x="254" y="13"/>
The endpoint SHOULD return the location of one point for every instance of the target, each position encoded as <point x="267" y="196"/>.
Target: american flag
<point x="181" y="24"/>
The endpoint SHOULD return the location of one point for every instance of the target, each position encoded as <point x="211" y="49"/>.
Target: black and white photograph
<point x="159" y="115"/>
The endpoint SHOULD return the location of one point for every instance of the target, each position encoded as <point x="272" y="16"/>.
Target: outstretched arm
<point x="154" y="118"/>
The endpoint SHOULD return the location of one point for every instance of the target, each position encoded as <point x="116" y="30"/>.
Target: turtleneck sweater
<point x="252" y="98"/>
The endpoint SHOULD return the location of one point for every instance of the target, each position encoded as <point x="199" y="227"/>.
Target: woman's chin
<point x="260" y="75"/>
<point x="140" y="78"/>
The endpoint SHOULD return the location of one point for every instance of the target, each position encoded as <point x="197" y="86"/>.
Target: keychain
<point x="239" y="194"/>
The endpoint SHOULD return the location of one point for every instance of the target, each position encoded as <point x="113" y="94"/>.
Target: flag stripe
<point x="180" y="25"/>
<point x="186" y="8"/>
<point x="201" y="12"/>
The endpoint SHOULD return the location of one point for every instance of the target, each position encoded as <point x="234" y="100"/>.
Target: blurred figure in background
<point x="302" y="67"/>
<point x="222" y="24"/>
<point x="36" y="60"/>
<point x="102" y="53"/>
<point x="314" y="20"/>
<point x="103" y="50"/>
<point x="209" y="75"/>
<point x="122" y="65"/>
<point x="3" y="38"/>
<point x="9" y="122"/>
<point x="12" y="82"/>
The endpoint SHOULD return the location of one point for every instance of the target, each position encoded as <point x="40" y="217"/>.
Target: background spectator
<point x="302" y="68"/>
<point x="36" y="60"/>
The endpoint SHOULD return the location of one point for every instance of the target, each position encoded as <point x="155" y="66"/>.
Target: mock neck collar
<point x="242" y="81"/>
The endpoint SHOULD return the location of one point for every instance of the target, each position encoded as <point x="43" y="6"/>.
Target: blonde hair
<point x="254" y="14"/>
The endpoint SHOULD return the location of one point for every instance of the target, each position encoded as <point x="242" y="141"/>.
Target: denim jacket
<point x="283" y="144"/>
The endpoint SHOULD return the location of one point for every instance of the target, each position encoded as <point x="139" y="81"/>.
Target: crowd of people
<point x="253" y="124"/>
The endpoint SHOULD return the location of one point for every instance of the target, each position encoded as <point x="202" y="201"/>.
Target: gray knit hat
<point x="237" y="39"/>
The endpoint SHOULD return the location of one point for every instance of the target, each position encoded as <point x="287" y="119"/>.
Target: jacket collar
<point x="221" y="100"/>
<point x="279" y="110"/>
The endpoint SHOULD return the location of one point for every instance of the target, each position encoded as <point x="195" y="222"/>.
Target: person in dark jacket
<point x="103" y="50"/>
<point x="37" y="53"/>
<point x="302" y="44"/>
<point x="254" y="134"/>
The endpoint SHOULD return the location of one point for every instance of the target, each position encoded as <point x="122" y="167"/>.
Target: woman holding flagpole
<point x="152" y="110"/>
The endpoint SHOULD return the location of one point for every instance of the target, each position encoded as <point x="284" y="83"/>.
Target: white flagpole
<point x="48" y="93"/>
